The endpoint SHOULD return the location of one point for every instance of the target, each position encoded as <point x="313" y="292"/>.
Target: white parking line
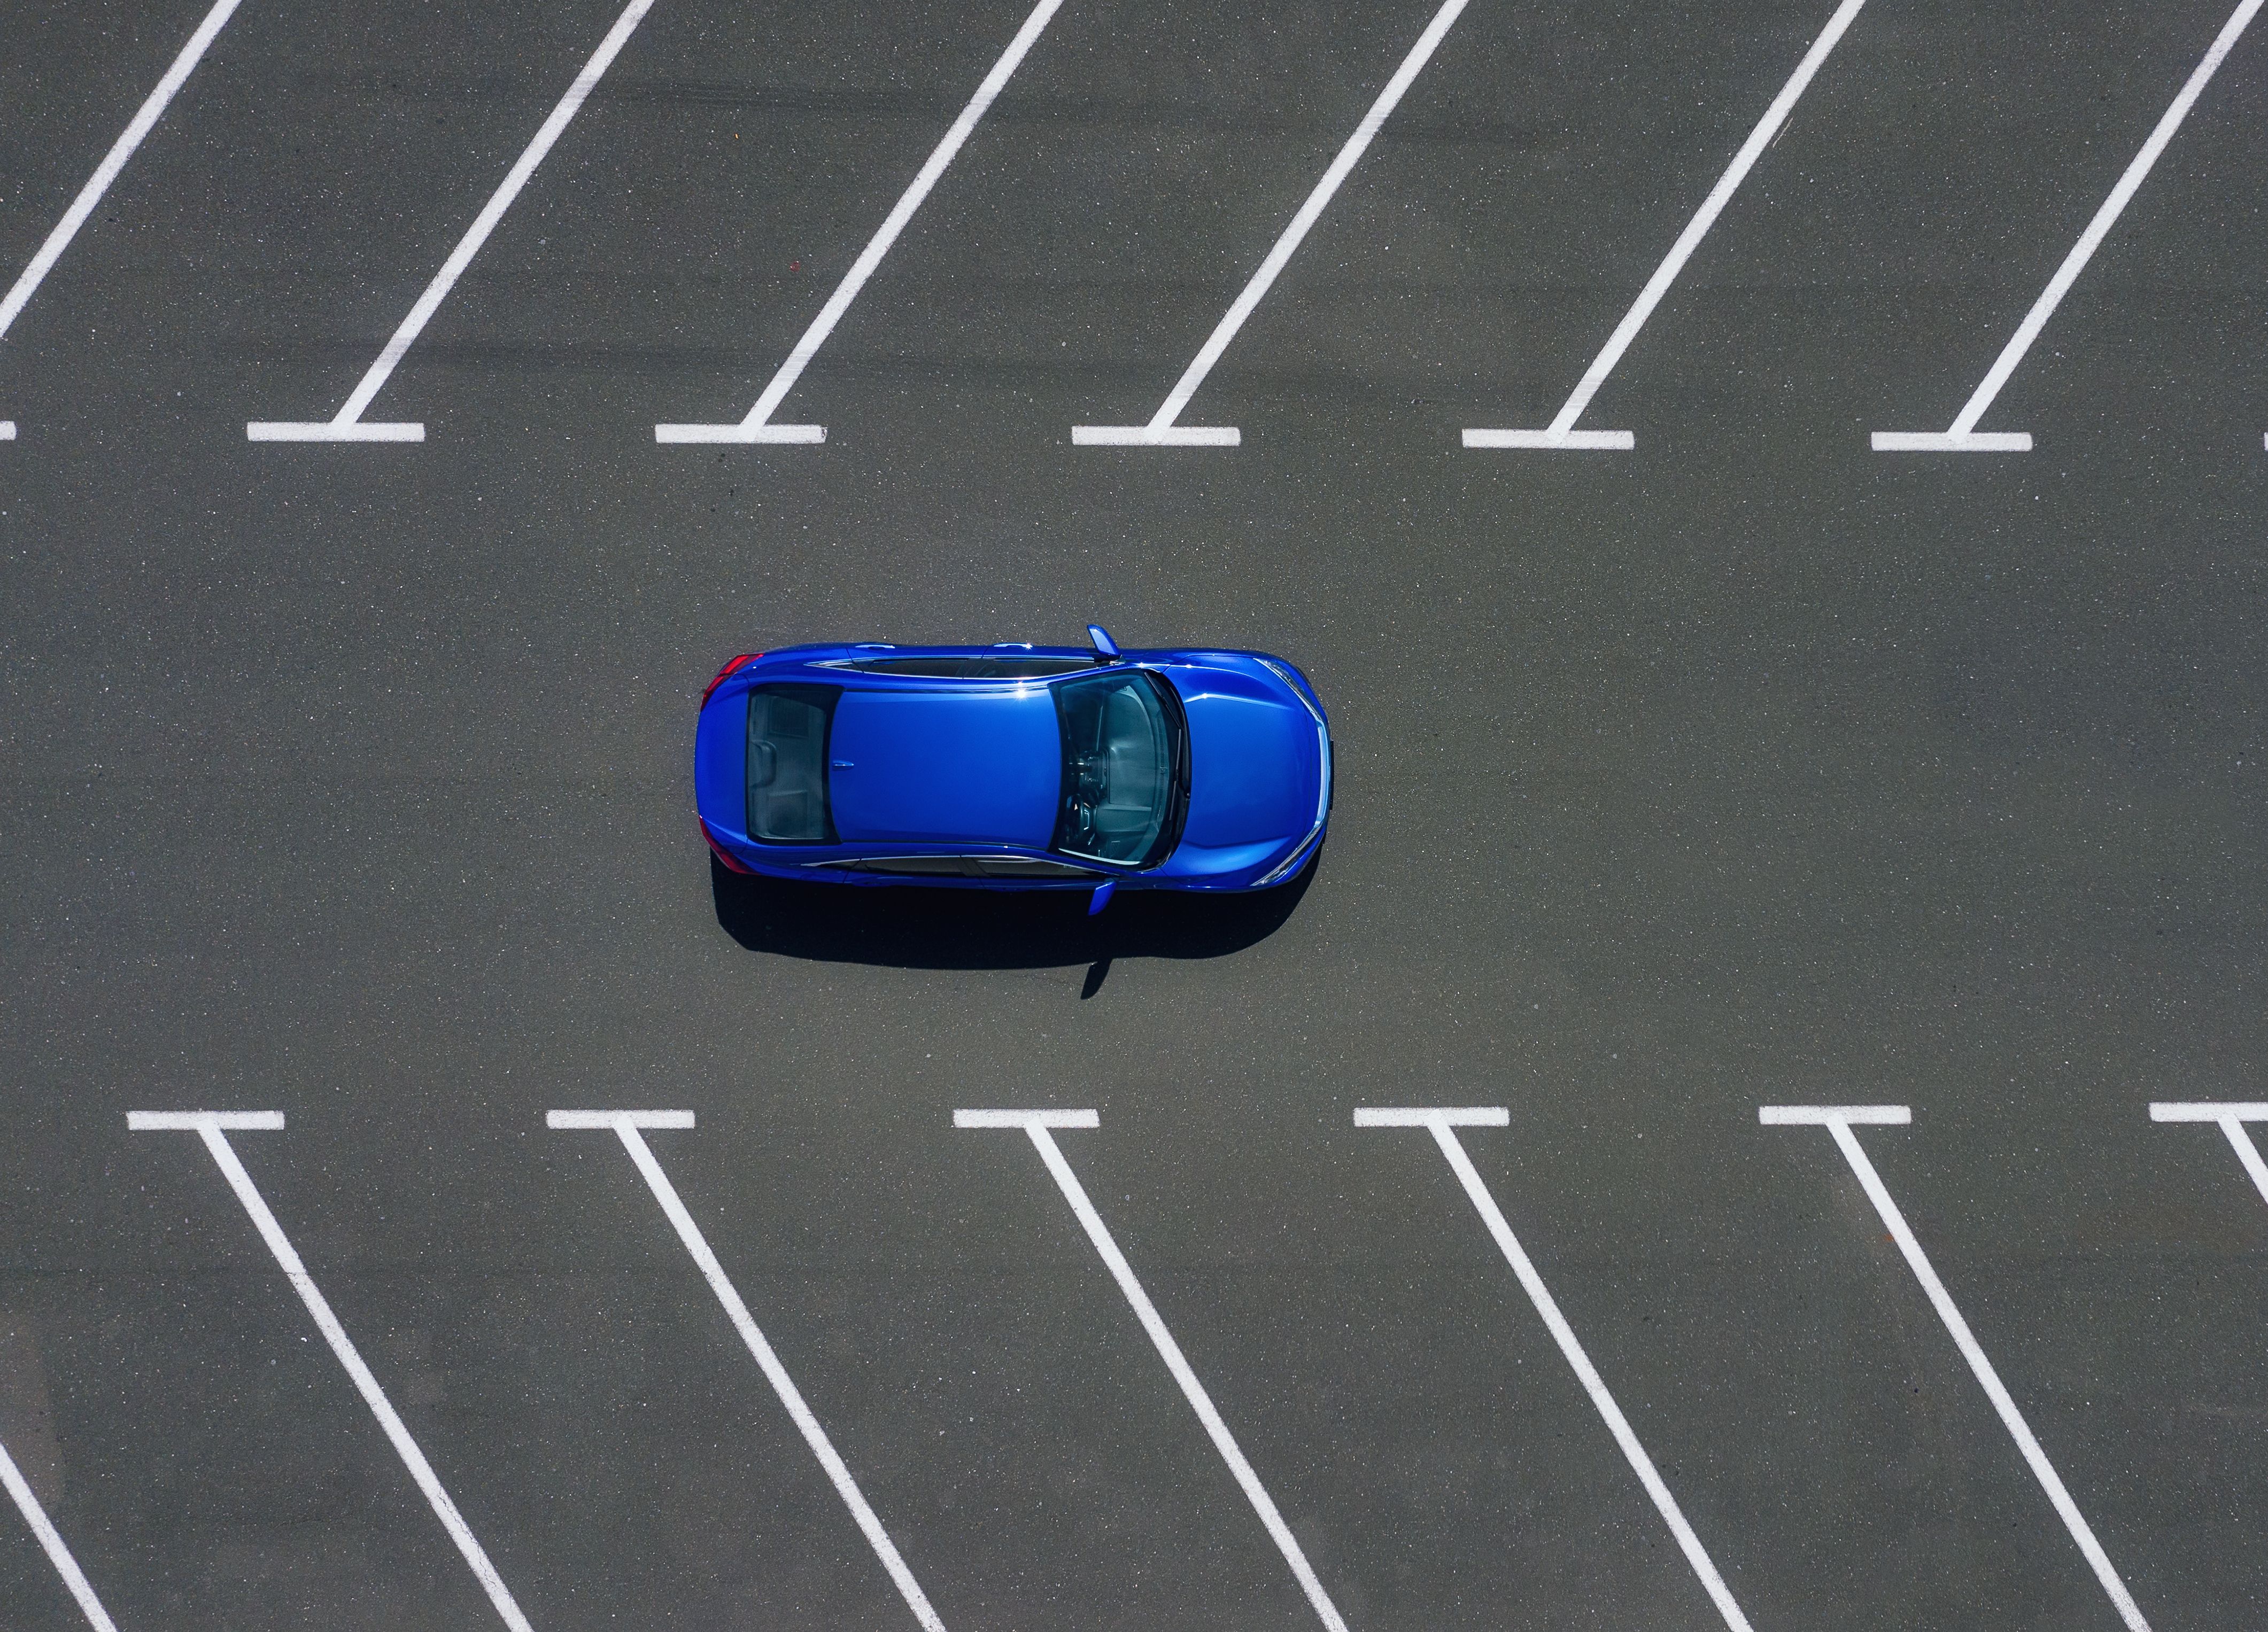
<point x="144" y="120"/>
<point x="758" y="426"/>
<point x="1561" y="433"/>
<point x="1442" y="1122"/>
<point x="1038" y="1125"/>
<point x="346" y="425"/>
<point x="1161" y="431"/>
<point x="2232" y="1115"/>
<point x="626" y="1125"/>
<point x="51" y="1542"/>
<point x="1837" y="1119"/>
<point x="212" y="1127"/>
<point x="1962" y="437"/>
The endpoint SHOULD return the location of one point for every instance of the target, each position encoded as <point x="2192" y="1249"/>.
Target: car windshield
<point x="787" y="763"/>
<point x="1124" y="783"/>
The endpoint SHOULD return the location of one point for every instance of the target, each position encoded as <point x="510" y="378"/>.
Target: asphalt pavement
<point x="1748" y="767"/>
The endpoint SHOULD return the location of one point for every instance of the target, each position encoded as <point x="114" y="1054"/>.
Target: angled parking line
<point x="758" y="426"/>
<point x="1837" y="1119"/>
<point x="1442" y="1122"/>
<point x="1561" y="432"/>
<point x="2232" y="1115"/>
<point x="144" y="120"/>
<point x="1039" y="1125"/>
<point x="348" y="424"/>
<point x="626" y="1125"/>
<point x="51" y="1542"/>
<point x="213" y="1128"/>
<point x="1962" y="437"/>
<point x="1161" y="431"/>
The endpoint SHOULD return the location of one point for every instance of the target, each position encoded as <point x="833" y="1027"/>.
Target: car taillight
<point x="727" y="673"/>
<point x="732" y="861"/>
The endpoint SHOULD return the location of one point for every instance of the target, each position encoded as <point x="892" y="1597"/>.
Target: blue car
<point x="1014" y="766"/>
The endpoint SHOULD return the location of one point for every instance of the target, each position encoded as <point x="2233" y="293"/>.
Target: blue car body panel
<point x="973" y="765"/>
<point x="720" y="755"/>
<point x="1254" y="768"/>
<point x="924" y="765"/>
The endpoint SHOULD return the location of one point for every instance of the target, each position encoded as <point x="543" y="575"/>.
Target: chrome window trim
<point x="1083" y="872"/>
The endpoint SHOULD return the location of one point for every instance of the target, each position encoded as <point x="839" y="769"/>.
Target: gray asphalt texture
<point x="1749" y="766"/>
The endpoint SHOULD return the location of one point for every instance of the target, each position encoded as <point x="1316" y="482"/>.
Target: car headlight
<point x="1283" y="672"/>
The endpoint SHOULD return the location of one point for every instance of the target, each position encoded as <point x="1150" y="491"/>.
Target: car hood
<point x="1256" y="761"/>
<point x="909" y="766"/>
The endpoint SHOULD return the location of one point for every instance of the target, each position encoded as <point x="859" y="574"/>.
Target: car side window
<point x="1016" y="667"/>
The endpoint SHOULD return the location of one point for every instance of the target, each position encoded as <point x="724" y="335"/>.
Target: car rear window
<point x="788" y="727"/>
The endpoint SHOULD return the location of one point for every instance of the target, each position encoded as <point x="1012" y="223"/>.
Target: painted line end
<point x="2208" y="1111"/>
<point x="333" y="431"/>
<point x="1597" y="441"/>
<point x="1026" y="1119"/>
<point x="7" y="430"/>
<point x="1156" y="437"/>
<point x="1432" y="1115"/>
<point x="197" y="1121"/>
<point x="1952" y="442"/>
<point x="739" y="435"/>
<point x="618" y="1119"/>
<point x="1820" y="1115"/>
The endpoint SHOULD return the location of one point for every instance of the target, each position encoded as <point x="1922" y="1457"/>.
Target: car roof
<point x="955" y="763"/>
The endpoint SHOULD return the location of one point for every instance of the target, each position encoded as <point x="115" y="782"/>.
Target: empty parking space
<point x="629" y="1127"/>
<point x="1839" y="1121"/>
<point x="2233" y="1119"/>
<point x="1517" y="1444"/>
<point x="756" y="426"/>
<point x="1161" y="429"/>
<point x="1962" y="435"/>
<point x="1040" y="1127"/>
<point x="212" y="1129"/>
<point x="1480" y="206"/>
<point x="89" y="196"/>
<point x="1442" y="1122"/>
<point x="1561" y="433"/>
<point x="348" y="424"/>
<point x="52" y="1543"/>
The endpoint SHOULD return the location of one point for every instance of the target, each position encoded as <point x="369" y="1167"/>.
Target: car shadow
<point x="907" y="927"/>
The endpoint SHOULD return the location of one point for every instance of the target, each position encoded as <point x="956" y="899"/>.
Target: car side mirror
<point x="1106" y="649"/>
